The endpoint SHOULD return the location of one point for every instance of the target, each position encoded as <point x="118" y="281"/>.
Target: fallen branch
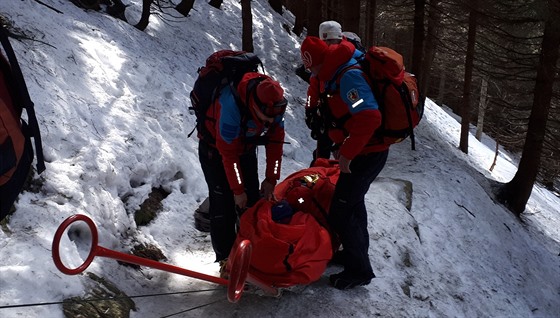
<point x="495" y="156"/>
<point x="462" y="206"/>
<point x="20" y="37"/>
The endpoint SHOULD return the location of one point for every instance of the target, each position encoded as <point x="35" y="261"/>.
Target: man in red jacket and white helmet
<point x="351" y="115"/>
<point x="331" y="33"/>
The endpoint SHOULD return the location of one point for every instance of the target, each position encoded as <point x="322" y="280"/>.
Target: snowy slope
<point x="113" y="107"/>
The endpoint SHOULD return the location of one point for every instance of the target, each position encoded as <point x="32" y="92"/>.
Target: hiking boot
<point x="224" y="273"/>
<point x="346" y="280"/>
<point x="202" y="221"/>
<point x="202" y="216"/>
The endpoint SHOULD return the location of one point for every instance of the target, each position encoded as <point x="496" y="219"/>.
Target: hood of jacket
<point x="335" y="56"/>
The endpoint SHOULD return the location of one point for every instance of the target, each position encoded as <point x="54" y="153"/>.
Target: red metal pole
<point x="133" y="259"/>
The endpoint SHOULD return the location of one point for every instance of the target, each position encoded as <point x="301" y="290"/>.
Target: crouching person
<point x="240" y="118"/>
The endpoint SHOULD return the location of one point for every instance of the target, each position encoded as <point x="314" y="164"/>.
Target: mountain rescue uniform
<point x="352" y="116"/>
<point x="331" y="33"/>
<point x="230" y="164"/>
<point x="313" y="102"/>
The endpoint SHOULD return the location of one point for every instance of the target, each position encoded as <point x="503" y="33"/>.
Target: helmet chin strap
<point x="252" y="103"/>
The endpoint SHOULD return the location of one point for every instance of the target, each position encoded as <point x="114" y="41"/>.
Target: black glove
<point x="303" y="73"/>
<point x="310" y="117"/>
<point x="314" y="122"/>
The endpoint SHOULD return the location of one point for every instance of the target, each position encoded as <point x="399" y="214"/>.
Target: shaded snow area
<point x="112" y="103"/>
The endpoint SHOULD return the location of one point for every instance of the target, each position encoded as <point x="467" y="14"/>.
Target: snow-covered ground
<point x="112" y="103"/>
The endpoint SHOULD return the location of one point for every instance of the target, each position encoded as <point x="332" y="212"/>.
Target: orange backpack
<point x="16" y="152"/>
<point x="396" y="92"/>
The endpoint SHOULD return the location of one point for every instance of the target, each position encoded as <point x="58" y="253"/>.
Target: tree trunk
<point x="469" y="61"/>
<point x="276" y="5"/>
<point x="515" y="194"/>
<point x="145" y="17"/>
<point x="430" y="46"/>
<point x="351" y="16"/>
<point x="300" y="12"/>
<point x="441" y="90"/>
<point x="483" y="104"/>
<point x="117" y="10"/>
<point x="313" y="17"/>
<point x="368" y="39"/>
<point x="418" y="40"/>
<point x="216" y="3"/>
<point x="184" y="7"/>
<point x="247" y="17"/>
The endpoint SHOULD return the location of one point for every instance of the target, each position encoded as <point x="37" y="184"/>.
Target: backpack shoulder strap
<point x="339" y="122"/>
<point x="339" y="73"/>
<point x="33" y="126"/>
<point x="251" y="92"/>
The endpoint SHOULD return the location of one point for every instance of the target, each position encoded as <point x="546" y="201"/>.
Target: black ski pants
<point x="348" y="214"/>
<point x="223" y="214"/>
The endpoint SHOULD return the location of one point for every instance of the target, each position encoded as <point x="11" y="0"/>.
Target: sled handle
<point x="239" y="270"/>
<point x="235" y="284"/>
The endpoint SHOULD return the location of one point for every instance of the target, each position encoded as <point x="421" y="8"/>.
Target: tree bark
<point x="441" y="90"/>
<point x="300" y="12"/>
<point x="216" y="3"/>
<point x="276" y="5"/>
<point x="145" y="17"/>
<point x="368" y="39"/>
<point x="430" y="45"/>
<point x="418" y="40"/>
<point x="247" y="17"/>
<point x="313" y="17"/>
<point x="351" y="16"/>
<point x="469" y="62"/>
<point x="483" y="104"/>
<point x="515" y="194"/>
<point x="184" y="7"/>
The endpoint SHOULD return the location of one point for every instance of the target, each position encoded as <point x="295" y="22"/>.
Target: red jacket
<point x="313" y="92"/>
<point x="349" y="96"/>
<point x="233" y="128"/>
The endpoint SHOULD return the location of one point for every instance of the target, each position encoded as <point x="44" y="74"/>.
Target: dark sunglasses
<point x="274" y="109"/>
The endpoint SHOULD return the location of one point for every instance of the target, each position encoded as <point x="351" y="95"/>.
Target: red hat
<point x="313" y="51"/>
<point x="269" y="98"/>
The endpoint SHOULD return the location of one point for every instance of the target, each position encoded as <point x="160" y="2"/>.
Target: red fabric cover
<point x="284" y="254"/>
<point x="310" y="190"/>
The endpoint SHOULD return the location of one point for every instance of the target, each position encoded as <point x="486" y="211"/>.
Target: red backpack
<point x="222" y="68"/>
<point x="16" y="151"/>
<point x="292" y="251"/>
<point x="396" y="92"/>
